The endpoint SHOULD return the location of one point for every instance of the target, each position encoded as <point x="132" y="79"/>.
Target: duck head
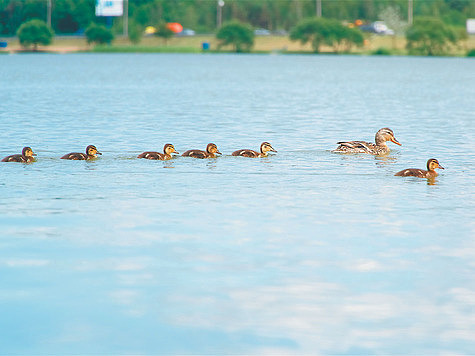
<point x="28" y="152"/>
<point x="267" y="147"/>
<point x="385" y="134"/>
<point x="432" y="164"/>
<point x="91" y="150"/>
<point x="169" y="149"/>
<point x="212" y="149"/>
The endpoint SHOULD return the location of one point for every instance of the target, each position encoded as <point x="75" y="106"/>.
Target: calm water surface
<point x="304" y="252"/>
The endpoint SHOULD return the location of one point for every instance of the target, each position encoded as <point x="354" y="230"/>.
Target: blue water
<point x="302" y="252"/>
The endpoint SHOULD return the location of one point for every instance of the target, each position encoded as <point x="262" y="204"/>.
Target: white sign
<point x="109" y="8"/>
<point x="471" y="26"/>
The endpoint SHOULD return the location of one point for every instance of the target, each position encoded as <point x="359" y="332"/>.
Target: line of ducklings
<point x="378" y="148"/>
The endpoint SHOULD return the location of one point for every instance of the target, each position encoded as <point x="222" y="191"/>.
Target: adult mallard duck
<point x="211" y="151"/>
<point x="380" y="148"/>
<point x="91" y="152"/>
<point x="26" y="156"/>
<point x="265" y="148"/>
<point x="432" y="164"/>
<point x="168" y="149"/>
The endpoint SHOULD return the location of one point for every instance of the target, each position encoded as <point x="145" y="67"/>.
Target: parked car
<point x="186" y="32"/>
<point x="261" y="32"/>
<point x="378" y="27"/>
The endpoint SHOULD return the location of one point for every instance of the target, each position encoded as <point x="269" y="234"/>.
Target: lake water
<point x="302" y="252"/>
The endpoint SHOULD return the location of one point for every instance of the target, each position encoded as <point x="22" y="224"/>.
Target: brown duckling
<point x="91" y="152"/>
<point x="168" y="149"/>
<point x="211" y="151"/>
<point x="432" y="164"/>
<point x="265" y="148"/>
<point x="380" y="148"/>
<point x="26" y="156"/>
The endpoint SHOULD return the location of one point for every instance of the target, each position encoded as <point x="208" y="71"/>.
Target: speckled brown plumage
<point x="26" y="156"/>
<point x="91" y="152"/>
<point x="265" y="148"/>
<point x="432" y="164"/>
<point x="211" y="151"/>
<point x="168" y="149"/>
<point x="380" y="148"/>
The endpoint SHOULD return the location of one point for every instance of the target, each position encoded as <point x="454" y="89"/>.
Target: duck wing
<point x="245" y="153"/>
<point x="76" y="156"/>
<point x="195" y="154"/>
<point x="412" y="172"/>
<point x="150" y="155"/>
<point x="15" y="158"/>
<point x="366" y="146"/>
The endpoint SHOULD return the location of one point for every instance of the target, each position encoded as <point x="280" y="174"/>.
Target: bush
<point x="237" y="34"/>
<point x="164" y="31"/>
<point x="98" y="34"/>
<point x="430" y="37"/>
<point x="35" y="32"/>
<point x="135" y="33"/>
<point x="382" y="51"/>
<point x="320" y="31"/>
<point x="471" y="53"/>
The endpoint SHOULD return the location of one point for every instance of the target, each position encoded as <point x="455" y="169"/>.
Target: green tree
<point x="98" y="34"/>
<point x="164" y="32"/>
<point x="430" y="36"/>
<point x="35" y="32"/>
<point x="321" y="31"/>
<point x="135" y="32"/>
<point x="237" y="34"/>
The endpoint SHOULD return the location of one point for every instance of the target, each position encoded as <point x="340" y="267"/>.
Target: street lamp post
<point x="126" y="18"/>
<point x="318" y="7"/>
<point x="410" y="10"/>
<point x="48" y="12"/>
<point x="219" y="16"/>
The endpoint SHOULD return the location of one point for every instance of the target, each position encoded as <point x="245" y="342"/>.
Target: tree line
<point x="73" y="16"/>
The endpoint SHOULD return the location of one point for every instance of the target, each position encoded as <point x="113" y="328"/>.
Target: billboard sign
<point x="471" y="26"/>
<point x="109" y="8"/>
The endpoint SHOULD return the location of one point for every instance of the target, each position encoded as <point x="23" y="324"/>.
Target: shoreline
<point x="374" y="45"/>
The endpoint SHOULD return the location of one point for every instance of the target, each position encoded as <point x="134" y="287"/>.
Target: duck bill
<point x="273" y="150"/>
<point x="393" y="139"/>
<point x="219" y="153"/>
<point x="176" y="152"/>
<point x="34" y="154"/>
<point x="98" y="153"/>
<point x="440" y="167"/>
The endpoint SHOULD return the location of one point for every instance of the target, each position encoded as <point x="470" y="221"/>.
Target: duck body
<point x="91" y="152"/>
<point x="26" y="156"/>
<point x="378" y="148"/>
<point x="265" y="148"/>
<point x="211" y="151"/>
<point x="432" y="164"/>
<point x="168" y="149"/>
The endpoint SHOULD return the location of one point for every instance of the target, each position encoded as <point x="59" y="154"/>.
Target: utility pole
<point x="219" y="15"/>
<point x="410" y="5"/>
<point x="48" y="12"/>
<point x="126" y="18"/>
<point x="318" y="7"/>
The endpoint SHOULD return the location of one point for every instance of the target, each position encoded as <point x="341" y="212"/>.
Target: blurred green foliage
<point x="98" y="34"/>
<point x="322" y="31"/>
<point x="70" y="16"/>
<point x="236" y="34"/>
<point x="430" y="36"/>
<point x="35" y="32"/>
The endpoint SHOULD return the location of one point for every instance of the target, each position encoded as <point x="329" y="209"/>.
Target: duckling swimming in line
<point x="168" y="149"/>
<point x="432" y="164"/>
<point x="211" y="151"/>
<point x="380" y="148"/>
<point x="265" y="148"/>
<point x="91" y="152"/>
<point x="26" y="156"/>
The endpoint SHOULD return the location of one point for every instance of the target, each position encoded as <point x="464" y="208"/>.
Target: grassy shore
<point x="374" y="44"/>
